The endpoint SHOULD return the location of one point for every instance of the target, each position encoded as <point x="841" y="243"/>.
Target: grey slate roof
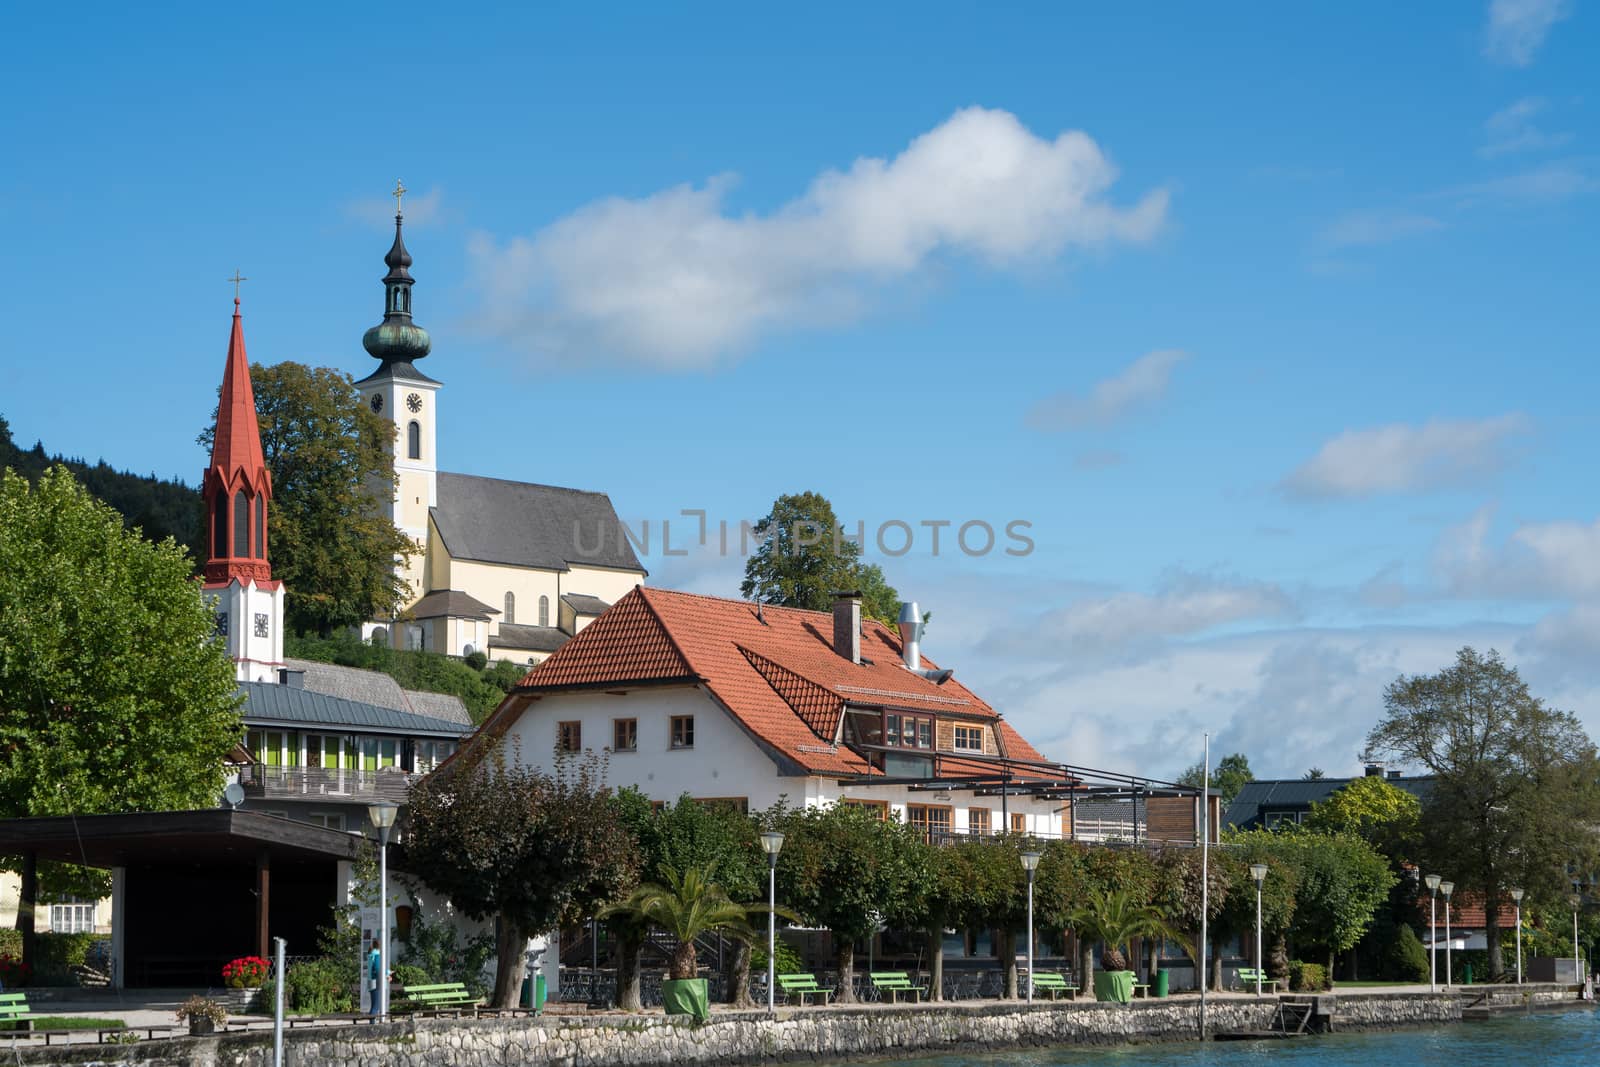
<point x="266" y="702"/>
<point x="529" y="638"/>
<point x="375" y="687"/>
<point x="446" y="706"/>
<point x="584" y="604"/>
<point x="525" y="525"/>
<point x="452" y="604"/>
<point x="1298" y="794"/>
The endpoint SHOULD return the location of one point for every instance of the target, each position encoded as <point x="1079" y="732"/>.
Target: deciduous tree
<point x="1232" y="774"/>
<point x="804" y="557"/>
<point x="332" y="465"/>
<point x="1380" y="813"/>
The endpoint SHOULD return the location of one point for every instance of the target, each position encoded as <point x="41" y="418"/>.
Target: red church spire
<point x="237" y="484"/>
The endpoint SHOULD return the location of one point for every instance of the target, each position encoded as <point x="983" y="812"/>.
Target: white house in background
<point x="730" y="701"/>
<point x="510" y="569"/>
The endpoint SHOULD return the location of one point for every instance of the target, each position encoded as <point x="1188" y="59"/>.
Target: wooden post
<point x="26" y="903"/>
<point x="263" y="903"/>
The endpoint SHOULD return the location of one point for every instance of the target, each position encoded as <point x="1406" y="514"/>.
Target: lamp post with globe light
<point x="1432" y="882"/>
<point x="1516" y="895"/>
<point x="1449" y="940"/>
<point x="1030" y="863"/>
<point x="382" y="815"/>
<point x="1258" y="871"/>
<point x="772" y="844"/>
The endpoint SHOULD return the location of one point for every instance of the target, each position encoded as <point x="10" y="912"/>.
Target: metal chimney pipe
<point x="910" y="627"/>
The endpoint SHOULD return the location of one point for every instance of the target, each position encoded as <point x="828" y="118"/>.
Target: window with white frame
<point x="74" y="917"/>
<point x="969" y="738"/>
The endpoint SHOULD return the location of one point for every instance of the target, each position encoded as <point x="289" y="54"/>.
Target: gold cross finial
<point x="399" y="191"/>
<point x="236" y="279"/>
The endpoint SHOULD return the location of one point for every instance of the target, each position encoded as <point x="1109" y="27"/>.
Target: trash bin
<point x="1161" y="983"/>
<point x="1466" y="975"/>
<point x="525" y="998"/>
<point x="539" y="992"/>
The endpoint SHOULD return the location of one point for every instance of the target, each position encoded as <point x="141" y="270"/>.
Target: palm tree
<point x="689" y="905"/>
<point x="1116" y="918"/>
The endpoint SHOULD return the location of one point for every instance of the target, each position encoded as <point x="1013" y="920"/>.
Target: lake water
<point x="1542" y="1039"/>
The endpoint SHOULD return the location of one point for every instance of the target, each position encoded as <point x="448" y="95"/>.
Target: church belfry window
<point x="241" y="525"/>
<point x="261" y="529"/>
<point x="511" y="608"/>
<point x="414" y="440"/>
<point x="544" y="611"/>
<point x="219" y="526"/>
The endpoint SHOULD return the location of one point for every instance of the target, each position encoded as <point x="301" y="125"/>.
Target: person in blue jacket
<point x="374" y="972"/>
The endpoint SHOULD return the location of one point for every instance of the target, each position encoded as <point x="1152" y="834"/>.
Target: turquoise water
<point x="1542" y="1039"/>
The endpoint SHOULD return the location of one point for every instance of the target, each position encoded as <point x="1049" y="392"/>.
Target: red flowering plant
<point x="246" y="972"/>
<point x="13" y="972"/>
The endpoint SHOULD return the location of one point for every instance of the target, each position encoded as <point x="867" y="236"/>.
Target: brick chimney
<point x="847" y="625"/>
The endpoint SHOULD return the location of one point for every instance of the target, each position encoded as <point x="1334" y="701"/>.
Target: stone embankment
<point x="753" y="1037"/>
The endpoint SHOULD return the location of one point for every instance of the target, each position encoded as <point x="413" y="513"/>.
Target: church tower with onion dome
<point x="237" y="488"/>
<point x="400" y="392"/>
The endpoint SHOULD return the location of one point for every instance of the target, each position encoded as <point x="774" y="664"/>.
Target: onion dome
<point x="397" y="341"/>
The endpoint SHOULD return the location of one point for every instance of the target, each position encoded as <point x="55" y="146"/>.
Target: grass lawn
<point x="74" y="1022"/>
<point x="1340" y="984"/>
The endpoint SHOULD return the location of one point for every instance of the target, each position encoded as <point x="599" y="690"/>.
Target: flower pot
<point x="686" y="996"/>
<point x="201" y="1026"/>
<point x="240" y="1001"/>
<point x="1113" y="986"/>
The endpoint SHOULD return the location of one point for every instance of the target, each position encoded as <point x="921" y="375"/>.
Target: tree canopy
<point x="1232" y="774"/>
<point x="804" y="557"/>
<point x="114" y="694"/>
<point x="1514" y="798"/>
<point x="330" y="457"/>
<point x="1377" y="811"/>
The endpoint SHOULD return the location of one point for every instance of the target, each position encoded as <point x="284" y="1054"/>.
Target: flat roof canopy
<point x="214" y="835"/>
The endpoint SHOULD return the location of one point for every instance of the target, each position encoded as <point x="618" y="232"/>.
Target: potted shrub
<point x="687" y="906"/>
<point x="14" y="974"/>
<point x="244" y="977"/>
<point x="203" y="1015"/>
<point x="1114" y="919"/>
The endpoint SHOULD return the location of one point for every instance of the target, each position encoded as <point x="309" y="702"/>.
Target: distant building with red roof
<point x="732" y="701"/>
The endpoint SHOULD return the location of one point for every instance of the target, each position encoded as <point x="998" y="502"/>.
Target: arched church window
<point x="414" y="439"/>
<point x="511" y="608"/>
<point x="219" y="526"/>
<point x="544" y="611"/>
<point x="241" y="525"/>
<point x="261" y="529"/>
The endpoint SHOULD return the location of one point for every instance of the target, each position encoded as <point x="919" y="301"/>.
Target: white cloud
<point x="1512" y="129"/>
<point x="1141" y="382"/>
<point x="1517" y="28"/>
<point x="1543" y="185"/>
<point x="1360" y="228"/>
<point x="1401" y="458"/>
<point x="421" y="209"/>
<point x="674" y="280"/>
<point x="1536" y="561"/>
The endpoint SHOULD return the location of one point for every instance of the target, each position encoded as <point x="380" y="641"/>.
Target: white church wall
<point x="607" y="584"/>
<point x="490" y="582"/>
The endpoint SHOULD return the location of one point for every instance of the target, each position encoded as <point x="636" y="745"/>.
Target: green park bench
<point x="440" y="997"/>
<point x="1054" y="984"/>
<point x="1141" y="991"/>
<point x="1248" y="975"/>
<point x="16" y="1019"/>
<point x="803" y="985"/>
<point x="894" y="983"/>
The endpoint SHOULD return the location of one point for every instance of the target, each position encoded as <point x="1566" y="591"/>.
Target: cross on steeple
<point x="236" y="279"/>
<point x="399" y="191"/>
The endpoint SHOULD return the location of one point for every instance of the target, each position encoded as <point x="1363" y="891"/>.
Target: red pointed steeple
<point x="237" y="484"/>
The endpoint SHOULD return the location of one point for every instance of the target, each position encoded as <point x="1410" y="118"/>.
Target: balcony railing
<point x="321" y="783"/>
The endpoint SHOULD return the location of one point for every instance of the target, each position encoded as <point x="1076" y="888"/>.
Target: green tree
<point x="1340" y="882"/>
<point x="1514" y="798"/>
<point x="803" y="558"/>
<point x="1380" y="813"/>
<point x="530" y="849"/>
<point x="1182" y="895"/>
<point x="332" y="463"/>
<point x="844" y="869"/>
<point x="114" y="694"/>
<point x="1238" y="914"/>
<point x="1116" y="917"/>
<point x="1231" y="775"/>
<point x="687" y="905"/>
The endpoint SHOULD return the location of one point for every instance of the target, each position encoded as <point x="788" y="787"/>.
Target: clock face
<point x="377" y="402"/>
<point x="414" y="402"/>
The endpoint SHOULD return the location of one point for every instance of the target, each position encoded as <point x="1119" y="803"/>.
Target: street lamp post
<point x="382" y="815"/>
<point x="772" y="844"/>
<point x="1258" y="871"/>
<point x="1433" y="931"/>
<point x="1449" y="940"/>
<point x="1516" y="895"/>
<point x="1030" y="863"/>
<point x="1577" y="965"/>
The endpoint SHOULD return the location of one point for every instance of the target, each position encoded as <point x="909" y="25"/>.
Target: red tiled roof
<point x="774" y="670"/>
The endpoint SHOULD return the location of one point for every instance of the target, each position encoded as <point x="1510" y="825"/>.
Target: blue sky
<point x="1275" y="324"/>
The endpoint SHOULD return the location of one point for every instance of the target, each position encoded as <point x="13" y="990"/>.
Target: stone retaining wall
<point x="751" y="1037"/>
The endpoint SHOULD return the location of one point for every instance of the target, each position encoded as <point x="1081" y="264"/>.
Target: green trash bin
<point x="1466" y="975"/>
<point x="539" y="992"/>
<point x="533" y="992"/>
<point x="525" y="998"/>
<point x="1162" y="981"/>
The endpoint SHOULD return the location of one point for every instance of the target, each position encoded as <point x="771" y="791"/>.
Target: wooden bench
<point x="16" y="1020"/>
<point x="1248" y="976"/>
<point x="440" y="997"/>
<point x="149" y="1032"/>
<point x="802" y="986"/>
<point x="1054" y="984"/>
<point x="894" y="983"/>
